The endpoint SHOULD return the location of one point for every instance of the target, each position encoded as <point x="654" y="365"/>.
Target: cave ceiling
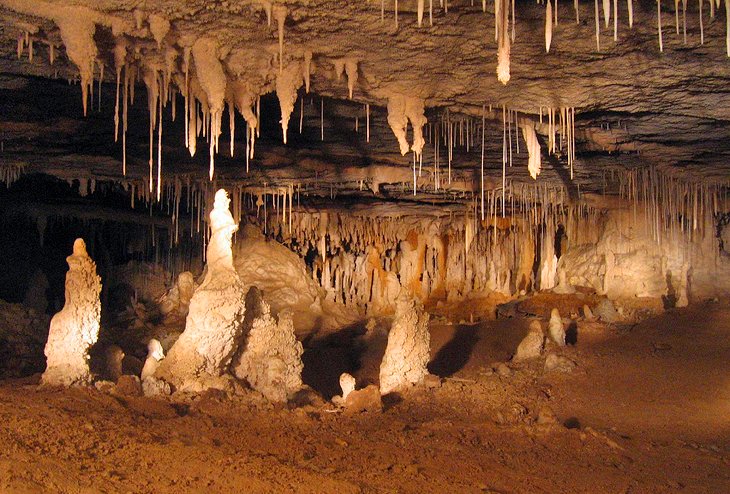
<point x="634" y="105"/>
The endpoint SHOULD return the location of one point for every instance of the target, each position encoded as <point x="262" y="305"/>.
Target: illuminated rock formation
<point x="531" y="345"/>
<point x="200" y="357"/>
<point x="407" y="353"/>
<point x="76" y="328"/>
<point x="271" y="361"/>
<point x="155" y="354"/>
<point x="556" y="329"/>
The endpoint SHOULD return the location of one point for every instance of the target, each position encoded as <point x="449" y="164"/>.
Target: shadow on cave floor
<point x="467" y="348"/>
<point x="454" y="355"/>
<point x="325" y="359"/>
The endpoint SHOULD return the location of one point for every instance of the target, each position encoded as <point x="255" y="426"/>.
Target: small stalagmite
<point x="199" y="359"/>
<point x="76" y="328"/>
<point x="556" y="329"/>
<point x="407" y="353"/>
<point x="347" y="384"/>
<point x="531" y="345"/>
<point x="155" y="354"/>
<point x="271" y="361"/>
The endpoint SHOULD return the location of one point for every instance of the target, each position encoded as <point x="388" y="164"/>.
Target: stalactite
<point x="419" y="9"/>
<point x="615" y="20"/>
<point x="606" y="12"/>
<point x="351" y="72"/>
<point x="149" y="77"/>
<point x="630" y="6"/>
<point x="77" y="32"/>
<point x="279" y="13"/>
<point x="120" y="53"/>
<point x="548" y="25"/>
<point x="598" y="26"/>
<point x="659" y="24"/>
<point x="287" y="85"/>
<point x="503" y="41"/>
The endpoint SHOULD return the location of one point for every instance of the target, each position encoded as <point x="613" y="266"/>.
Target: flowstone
<point x="271" y="361"/>
<point x="407" y="353"/>
<point x="200" y="357"/>
<point x="76" y="328"/>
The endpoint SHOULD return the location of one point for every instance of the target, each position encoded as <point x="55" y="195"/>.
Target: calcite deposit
<point x="407" y="353"/>
<point x="531" y="345"/>
<point x="76" y="328"/>
<point x="200" y="357"/>
<point x="271" y="358"/>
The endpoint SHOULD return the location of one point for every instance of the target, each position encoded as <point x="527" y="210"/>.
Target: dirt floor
<point x="646" y="409"/>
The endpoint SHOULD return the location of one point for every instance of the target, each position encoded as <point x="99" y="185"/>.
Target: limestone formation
<point x="407" y="353"/>
<point x="155" y="354"/>
<point x="347" y="383"/>
<point x="563" y="287"/>
<point x="556" y="329"/>
<point x="271" y="361"/>
<point x="176" y="302"/>
<point x="200" y="357"/>
<point x="531" y="345"/>
<point x="588" y="313"/>
<point x="76" y="328"/>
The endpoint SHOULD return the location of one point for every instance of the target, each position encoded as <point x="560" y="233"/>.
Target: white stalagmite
<point x="548" y="25"/>
<point x="534" y="164"/>
<point x="213" y="82"/>
<point x="77" y="32"/>
<point x="288" y="83"/>
<point x="407" y="352"/>
<point x="75" y="329"/>
<point x="199" y="359"/>
<point x="556" y="329"/>
<point x="155" y="354"/>
<point x="503" y="40"/>
<point x="271" y="361"/>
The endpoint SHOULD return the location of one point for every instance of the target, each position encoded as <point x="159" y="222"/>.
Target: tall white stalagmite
<point x="200" y="358"/>
<point x="75" y="329"/>
<point x="548" y="25"/>
<point x="213" y="82"/>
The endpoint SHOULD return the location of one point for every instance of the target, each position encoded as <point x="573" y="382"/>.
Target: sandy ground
<point x="647" y="409"/>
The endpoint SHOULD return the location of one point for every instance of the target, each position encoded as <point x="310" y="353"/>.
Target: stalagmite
<point x="200" y="357"/>
<point x="531" y="345"/>
<point x="75" y="329"/>
<point x="556" y="329"/>
<point x="407" y="353"/>
<point x="503" y="41"/>
<point x="271" y="361"/>
<point x="77" y="32"/>
<point x="213" y="82"/>
<point x="288" y="83"/>
<point x="548" y="25"/>
<point x="155" y="354"/>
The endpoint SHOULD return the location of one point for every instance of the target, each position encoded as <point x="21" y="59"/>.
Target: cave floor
<point x="647" y="409"/>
